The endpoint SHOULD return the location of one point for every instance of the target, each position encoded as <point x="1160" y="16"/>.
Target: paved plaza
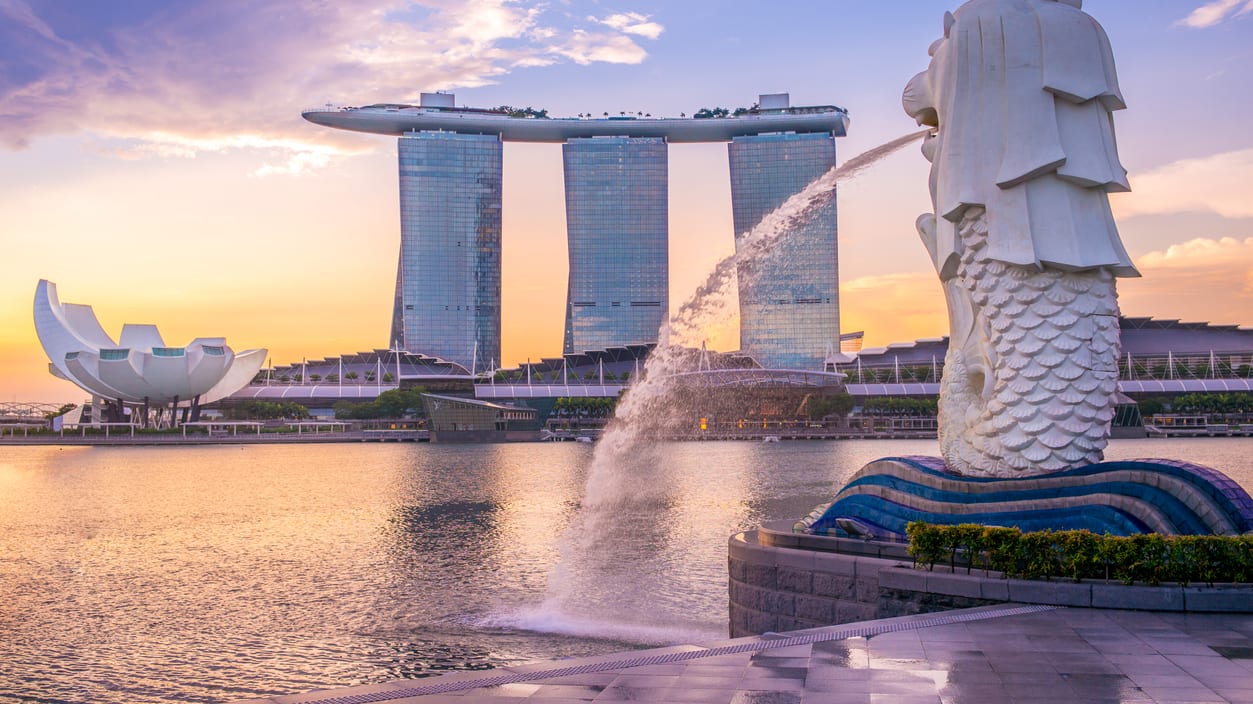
<point x="1001" y="653"/>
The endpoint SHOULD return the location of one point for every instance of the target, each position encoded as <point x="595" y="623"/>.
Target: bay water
<point x="211" y="574"/>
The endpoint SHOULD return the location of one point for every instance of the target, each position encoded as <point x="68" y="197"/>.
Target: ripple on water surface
<point x="220" y="573"/>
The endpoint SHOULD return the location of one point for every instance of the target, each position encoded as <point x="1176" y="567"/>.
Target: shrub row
<point x="1080" y="554"/>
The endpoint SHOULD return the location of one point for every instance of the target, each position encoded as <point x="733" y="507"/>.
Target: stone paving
<point x="988" y="654"/>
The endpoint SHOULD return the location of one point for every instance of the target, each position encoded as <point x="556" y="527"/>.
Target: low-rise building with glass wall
<point x="456" y="419"/>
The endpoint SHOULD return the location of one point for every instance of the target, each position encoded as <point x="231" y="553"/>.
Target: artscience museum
<point x="139" y="371"/>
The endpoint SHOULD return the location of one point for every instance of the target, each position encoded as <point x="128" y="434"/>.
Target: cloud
<point x="297" y="163"/>
<point x="23" y="15"/>
<point x="631" y="23"/>
<point x="1200" y="252"/>
<point x="586" y="47"/>
<point x="1216" y="11"/>
<point x="209" y="76"/>
<point x="1217" y="183"/>
<point x="174" y="145"/>
<point x="1202" y="274"/>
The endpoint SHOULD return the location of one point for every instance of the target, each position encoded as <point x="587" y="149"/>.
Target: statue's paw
<point x="926" y="231"/>
<point x="981" y="381"/>
<point x="925" y="224"/>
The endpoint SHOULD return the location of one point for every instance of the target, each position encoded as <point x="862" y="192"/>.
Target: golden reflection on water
<point x="221" y="573"/>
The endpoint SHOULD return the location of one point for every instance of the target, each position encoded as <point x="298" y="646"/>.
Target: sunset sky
<point x="155" y="164"/>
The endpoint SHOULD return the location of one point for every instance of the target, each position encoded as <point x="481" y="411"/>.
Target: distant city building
<point x="1158" y="356"/>
<point x="617" y="224"/>
<point x="447" y="301"/>
<point x="851" y="342"/>
<point x="318" y="384"/>
<point x="448" y="283"/>
<point x="789" y="294"/>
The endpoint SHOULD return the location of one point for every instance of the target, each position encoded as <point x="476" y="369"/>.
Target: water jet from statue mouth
<point x="693" y="313"/>
<point x="628" y="466"/>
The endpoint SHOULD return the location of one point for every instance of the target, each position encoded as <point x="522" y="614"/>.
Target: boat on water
<point x="770" y="438"/>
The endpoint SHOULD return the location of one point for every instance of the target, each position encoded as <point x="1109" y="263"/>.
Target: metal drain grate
<point x="767" y="642"/>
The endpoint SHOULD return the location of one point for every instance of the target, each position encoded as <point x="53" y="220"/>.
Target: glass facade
<point x="617" y="221"/>
<point x="448" y="284"/>
<point x="396" y="340"/>
<point x="459" y="414"/>
<point x="789" y="297"/>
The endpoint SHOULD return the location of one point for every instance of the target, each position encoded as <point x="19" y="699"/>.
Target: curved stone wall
<point x="1125" y="497"/>
<point x="783" y="581"/>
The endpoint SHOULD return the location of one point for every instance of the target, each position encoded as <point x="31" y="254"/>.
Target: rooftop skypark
<point x="437" y="112"/>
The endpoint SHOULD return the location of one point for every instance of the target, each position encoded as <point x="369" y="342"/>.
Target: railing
<point x="202" y="438"/>
<point x="1157" y="367"/>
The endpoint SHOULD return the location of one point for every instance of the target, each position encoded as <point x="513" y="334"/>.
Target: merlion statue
<point x="1020" y="94"/>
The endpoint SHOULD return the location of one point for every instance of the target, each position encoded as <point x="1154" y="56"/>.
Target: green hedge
<point x="1080" y="554"/>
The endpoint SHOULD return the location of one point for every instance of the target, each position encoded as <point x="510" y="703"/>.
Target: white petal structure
<point x="140" y="367"/>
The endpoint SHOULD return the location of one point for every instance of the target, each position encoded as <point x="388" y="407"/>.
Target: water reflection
<point x="214" y="574"/>
<point x="407" y="659"/>
<point x="424" y="531"/>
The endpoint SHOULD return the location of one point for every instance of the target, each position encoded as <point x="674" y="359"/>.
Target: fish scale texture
<point x="1048" y="339"/>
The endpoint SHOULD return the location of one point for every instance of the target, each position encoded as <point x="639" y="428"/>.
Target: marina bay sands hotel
<point x="448" y="281"/>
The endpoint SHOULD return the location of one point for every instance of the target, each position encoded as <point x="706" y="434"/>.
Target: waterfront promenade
<point x="1008" y="653"/>
<point x="126" y="436"/>
<point x="131" y="438"/>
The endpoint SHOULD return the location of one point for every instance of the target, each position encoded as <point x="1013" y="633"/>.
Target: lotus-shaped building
<point x="139" y="368"/>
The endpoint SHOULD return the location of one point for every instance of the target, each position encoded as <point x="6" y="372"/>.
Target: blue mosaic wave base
<point x="1121" y="498"/>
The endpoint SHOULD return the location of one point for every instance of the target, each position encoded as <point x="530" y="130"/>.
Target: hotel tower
<point x="448" y="279"/>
